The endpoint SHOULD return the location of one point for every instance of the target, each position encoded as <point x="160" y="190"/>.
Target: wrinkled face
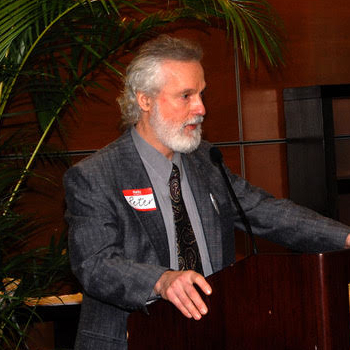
<point x="177" y="137"/>
<point x="177" y="111"/>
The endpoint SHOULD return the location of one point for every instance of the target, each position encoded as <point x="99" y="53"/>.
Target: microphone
<point x="216" y="158"/>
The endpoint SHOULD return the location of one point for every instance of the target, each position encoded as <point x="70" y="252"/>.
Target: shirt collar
<point x="156" y="160"/>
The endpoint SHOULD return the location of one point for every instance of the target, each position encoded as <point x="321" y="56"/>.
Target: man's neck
<point x="147" y="133"/>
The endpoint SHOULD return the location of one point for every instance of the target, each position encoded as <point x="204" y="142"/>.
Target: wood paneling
<point x="341" y="116"/>
<point x="266" y="168"/>
<point x="231" y="157"/>
<point x="262" y="113"/>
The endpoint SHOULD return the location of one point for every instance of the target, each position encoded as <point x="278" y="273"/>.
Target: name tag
<point x="140" y="199"/>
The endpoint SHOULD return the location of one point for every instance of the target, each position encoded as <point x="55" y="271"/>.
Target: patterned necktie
<point x="187" y="248"/>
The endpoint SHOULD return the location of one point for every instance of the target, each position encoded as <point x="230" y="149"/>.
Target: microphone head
<point x="215" y="155"/>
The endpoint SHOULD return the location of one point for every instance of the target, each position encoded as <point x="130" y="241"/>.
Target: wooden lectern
<point x="293" y="301"/>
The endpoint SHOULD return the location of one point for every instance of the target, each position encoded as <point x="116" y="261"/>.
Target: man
<point x="124" y="244"/>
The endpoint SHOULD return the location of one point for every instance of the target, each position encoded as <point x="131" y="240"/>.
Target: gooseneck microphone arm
<point x="216" y="158"/>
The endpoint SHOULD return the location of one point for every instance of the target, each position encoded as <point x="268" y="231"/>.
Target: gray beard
<point x="174" y="137"/>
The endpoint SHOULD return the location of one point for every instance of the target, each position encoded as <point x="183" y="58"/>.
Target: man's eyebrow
<point x="188" y="91"/>
<point x="191" y="91"/>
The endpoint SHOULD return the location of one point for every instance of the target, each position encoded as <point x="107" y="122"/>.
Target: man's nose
<point x="198" y="107"/>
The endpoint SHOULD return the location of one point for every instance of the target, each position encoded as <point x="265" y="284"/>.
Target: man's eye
<point x="185" y="96"/>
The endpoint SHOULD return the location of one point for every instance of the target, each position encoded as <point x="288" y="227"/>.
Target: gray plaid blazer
<point x="118" y="253"/>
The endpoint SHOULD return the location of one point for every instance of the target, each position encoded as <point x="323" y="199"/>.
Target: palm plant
<point x="49" y="52"/>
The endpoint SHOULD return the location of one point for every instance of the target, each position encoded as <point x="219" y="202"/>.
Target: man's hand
<point x="347" y="242"/>
<point x="177" y="287"/>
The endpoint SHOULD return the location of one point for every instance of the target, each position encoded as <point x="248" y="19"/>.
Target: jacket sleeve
<point x="112" y="259"/>
<point x="285" y="223"/>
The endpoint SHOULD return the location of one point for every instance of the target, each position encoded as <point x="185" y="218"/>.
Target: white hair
<point x="144" y="72"/>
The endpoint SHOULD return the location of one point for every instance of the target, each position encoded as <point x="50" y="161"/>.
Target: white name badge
<point x="140" y="199"/>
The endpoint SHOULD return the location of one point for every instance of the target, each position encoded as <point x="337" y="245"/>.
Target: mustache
<point x="196" y="120"/>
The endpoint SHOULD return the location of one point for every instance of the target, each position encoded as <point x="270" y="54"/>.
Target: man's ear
<point x="144" y="101"/>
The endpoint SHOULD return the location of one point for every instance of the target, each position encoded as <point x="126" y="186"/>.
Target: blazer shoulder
<point x="201" y="154"/>
<point x="121" y="146"/>
<point x="203" y="149"/>
<point x="107" y="158"/>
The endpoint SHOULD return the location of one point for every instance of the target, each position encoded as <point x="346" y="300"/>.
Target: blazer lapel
<point x="198" y="179"/>
<point x="135" y="177"/>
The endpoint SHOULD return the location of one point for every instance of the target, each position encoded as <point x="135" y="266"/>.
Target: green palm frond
<point x="253" y="25"/>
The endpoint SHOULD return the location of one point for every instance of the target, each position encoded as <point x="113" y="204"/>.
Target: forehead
<point x="182" y="75"/>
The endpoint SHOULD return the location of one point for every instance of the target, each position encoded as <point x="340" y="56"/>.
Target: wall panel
<point x="266" y="167"/>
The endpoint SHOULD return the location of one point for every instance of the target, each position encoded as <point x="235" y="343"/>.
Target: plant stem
<point x="28" y="166"/>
